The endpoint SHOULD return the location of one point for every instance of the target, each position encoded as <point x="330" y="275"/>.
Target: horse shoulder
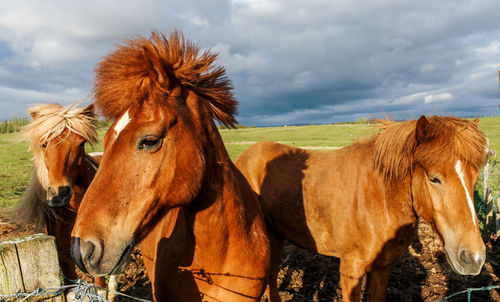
<point x="253" y="161"/>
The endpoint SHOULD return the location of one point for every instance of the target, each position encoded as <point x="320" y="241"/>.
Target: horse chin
<point x="57" y="203"/>
<point x="123" y="260"/>
<point x="452" y="264"/>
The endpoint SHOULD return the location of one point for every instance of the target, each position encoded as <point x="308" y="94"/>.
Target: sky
<point x="290" y="61"/>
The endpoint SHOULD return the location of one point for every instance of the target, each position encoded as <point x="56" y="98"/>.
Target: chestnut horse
<point x="62" y="173"/>
<point x="361" y="203"/>
<point x="166" y="181"/>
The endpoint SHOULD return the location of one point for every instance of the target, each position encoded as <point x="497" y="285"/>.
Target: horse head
<point x="163" y="97"/>
<point x="58" y="139"/>
<point x="448" y="155"/>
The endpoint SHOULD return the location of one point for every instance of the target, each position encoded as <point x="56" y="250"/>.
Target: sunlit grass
<point x="15" y="168"/>
<point x="15" y="160"/>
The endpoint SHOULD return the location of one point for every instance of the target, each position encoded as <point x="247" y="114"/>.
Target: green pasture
<point x="15" y="168"/>
<point x="15" y="164"/>
<point x="237" y="140"/>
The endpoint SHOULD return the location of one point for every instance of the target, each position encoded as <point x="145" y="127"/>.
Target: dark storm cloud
<point x="290" y="61"/>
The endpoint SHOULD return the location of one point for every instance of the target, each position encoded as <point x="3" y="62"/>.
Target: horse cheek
<point x="421" y="197"/>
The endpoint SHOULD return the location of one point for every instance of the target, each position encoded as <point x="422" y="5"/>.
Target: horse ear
<point x="33" y="114"/>
<point x="156" y="70"/>
<point x="89" y="110"/>
<point x="421" y="129"/>
<point x="476" y="121"/>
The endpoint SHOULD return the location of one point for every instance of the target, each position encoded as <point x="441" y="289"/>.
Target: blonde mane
<point x="50" y="121"/>
<point x="395" y="148"/>
<point x="147" y="69"/>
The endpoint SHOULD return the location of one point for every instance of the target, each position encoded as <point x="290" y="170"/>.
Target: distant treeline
<point x="14" y="125"/>
<point x="17" y="123"/>
<point x="361" y="120"/>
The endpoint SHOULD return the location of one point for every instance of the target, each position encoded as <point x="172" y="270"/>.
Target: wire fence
<point x="88" y="291"/>
<point x="494" y="178"/>
<point x="469" y="292"/>
<point x="82" y="291"/>
<point x="486" y="196"/>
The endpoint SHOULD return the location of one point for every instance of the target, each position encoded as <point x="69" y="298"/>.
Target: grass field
<point x="15" y="168"/>
<point x="237" y="140"/>
<point x="15" y="164"/>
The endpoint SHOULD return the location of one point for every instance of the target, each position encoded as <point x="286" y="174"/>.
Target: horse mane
<point x="395" y="147"/>
<point x="49" y="121"/>
<point x="145" y="68"/>
<point x="32" y="206"/>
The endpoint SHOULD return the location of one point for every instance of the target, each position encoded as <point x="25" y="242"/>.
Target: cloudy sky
<point x="290" y="61"/>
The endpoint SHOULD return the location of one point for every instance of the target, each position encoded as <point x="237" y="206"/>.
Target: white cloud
<point x="428" y="68"/>
<point x="25" y="98"/>
<point x="410" y="99"/>
<point x="433" y="98"/>
<point x="195" y="19"/>
<point x="236" y="62"/>
<point x="48" y="34"/>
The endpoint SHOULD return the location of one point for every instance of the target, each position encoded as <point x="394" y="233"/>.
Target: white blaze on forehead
<point x="460" y="172"/>
<point x="121" y="124"/>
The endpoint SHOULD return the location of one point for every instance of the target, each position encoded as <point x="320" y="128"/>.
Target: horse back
<point x="321" y="200"/>
<point x="275" y="172"/>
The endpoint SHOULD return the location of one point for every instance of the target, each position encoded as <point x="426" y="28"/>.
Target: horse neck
<point x="32" y="206"/>
<point x="398" y="196"/>
<point x="86" y="172"/>
<point x="219" y="205"/>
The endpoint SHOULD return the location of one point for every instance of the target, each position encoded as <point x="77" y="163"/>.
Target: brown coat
<point x="360" y="203"/>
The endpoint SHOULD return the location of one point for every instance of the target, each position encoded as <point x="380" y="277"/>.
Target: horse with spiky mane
<point x="166" y="181"/>
<point x="62" y="172"/>
<point x="155" y="67"/>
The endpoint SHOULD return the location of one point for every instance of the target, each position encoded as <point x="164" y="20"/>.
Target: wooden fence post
<point x="28" y="263"/>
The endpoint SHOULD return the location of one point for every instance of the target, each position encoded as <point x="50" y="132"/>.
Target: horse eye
<point x="434" y="180"/>
<point x="149" y="143"/>
<point x="44" y="146"/>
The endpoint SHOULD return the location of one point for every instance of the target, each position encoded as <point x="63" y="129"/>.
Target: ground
<point x="422" y="274"/>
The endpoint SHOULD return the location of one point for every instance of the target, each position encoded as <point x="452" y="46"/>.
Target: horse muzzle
<point x="467" y="262"/>
<point x="471" y="263"/>
<point x="89" y="257"/>
<point x="61" y="199"/>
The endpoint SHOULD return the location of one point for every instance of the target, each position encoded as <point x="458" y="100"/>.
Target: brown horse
<point x="361" y="203"/>
<point x="62" y="173"/>
<point x="166" y="180"/>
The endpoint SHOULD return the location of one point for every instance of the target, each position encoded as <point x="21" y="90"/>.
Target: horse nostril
<point x="465" y="257"/>
<point x="76" y="253"/>
<point x="61" y="199"/>
<point x="86" y="254"/>
<point x="64" y="191"/>
<point x="51" y="191"/>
